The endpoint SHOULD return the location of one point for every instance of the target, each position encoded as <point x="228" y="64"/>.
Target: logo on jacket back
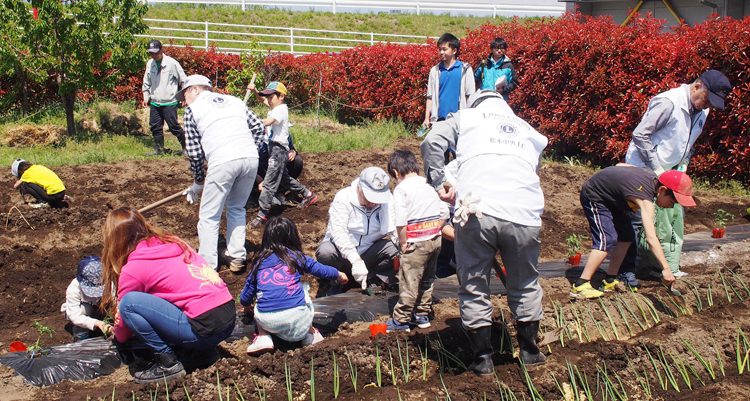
<point x="507" y="129"/>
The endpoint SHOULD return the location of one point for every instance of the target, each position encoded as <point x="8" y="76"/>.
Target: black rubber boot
<point x="167" y="367"/>
<point x="530" y="354"/>
<point x="481" y="346"/>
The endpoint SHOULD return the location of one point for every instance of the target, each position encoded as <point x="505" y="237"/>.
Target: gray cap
<point x="479" y="96"/>
<point x="193" y="80"/>
<point x="374" y="184"/>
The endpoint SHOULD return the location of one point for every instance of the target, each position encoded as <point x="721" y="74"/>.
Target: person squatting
<point x="171" y="309"/>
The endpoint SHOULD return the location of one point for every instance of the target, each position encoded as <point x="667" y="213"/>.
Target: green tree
<point x="75" y="45"/>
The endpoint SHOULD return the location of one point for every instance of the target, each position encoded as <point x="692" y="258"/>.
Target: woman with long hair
<point x="273" y="292"/>
<point x="162" y="293"/>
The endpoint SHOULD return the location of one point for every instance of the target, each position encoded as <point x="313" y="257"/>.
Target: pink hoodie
<point x="159" y="269"/>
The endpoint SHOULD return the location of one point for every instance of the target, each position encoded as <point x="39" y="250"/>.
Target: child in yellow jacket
<point x="39" y="182"/>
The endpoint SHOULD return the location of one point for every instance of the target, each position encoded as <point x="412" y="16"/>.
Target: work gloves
<point x="359" y="271"/>
<point x="193" y="193"/>
<point x="465" y="207"/>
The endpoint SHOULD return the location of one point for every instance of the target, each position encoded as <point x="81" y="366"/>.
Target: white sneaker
<point x="40" y="205"/>
<point x="312" y="338"/>
<point x="260" y="344"/>
<point x="679" y="274"/>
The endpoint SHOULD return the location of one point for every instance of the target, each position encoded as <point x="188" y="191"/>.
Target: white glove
<point x="193" y="193"/>
<point x="465" y="207"/>
<point x="359" y="272"/>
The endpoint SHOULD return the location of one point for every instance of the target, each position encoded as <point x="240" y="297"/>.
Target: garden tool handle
<point x="161" y="202"/>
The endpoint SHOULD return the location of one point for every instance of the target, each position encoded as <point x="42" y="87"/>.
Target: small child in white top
<point x="420" y="215"/>
<point x="82" y="299"/>
<point x="277" y="177"/>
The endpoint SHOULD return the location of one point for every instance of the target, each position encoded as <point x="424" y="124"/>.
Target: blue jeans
<point x="161" y="325"/>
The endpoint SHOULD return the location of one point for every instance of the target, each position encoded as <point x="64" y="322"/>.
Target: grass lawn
<point x="311" y="134"/>
<point x="403" y="24"/>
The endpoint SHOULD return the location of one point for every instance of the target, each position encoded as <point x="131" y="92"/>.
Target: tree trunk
<point x="69" y="100"/>
<point x="22" y="90"/>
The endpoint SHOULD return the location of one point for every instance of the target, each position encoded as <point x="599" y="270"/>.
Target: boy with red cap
<point x="606" y="198"/>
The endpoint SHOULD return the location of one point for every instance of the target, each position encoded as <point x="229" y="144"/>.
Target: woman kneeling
<point x="167" y="297"/>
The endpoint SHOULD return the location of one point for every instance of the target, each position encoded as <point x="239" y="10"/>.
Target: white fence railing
<point x="496" y="8"/>
<point x="236" y="38"/>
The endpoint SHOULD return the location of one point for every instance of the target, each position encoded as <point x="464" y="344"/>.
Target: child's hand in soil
<point x="105" y="328"/>
<point x="343" y="279"/>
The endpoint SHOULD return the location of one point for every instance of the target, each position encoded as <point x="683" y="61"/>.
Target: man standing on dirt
<point x="163" y="78"/>
<point x="664" y="141"/>
<point x="223" y="132"/>
<point x="499" y="208"/>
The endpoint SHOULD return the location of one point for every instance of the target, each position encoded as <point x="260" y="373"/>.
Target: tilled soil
<point x="37" y="264"/>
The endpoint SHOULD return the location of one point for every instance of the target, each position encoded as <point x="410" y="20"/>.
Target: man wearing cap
<point x="163" y="78"/>
<point x="498" y="209"/>
<point x="361" y="239"/>
<point x="222" y="131"/>
<point x="607" y="198"/>
<point x="663" y="141"/>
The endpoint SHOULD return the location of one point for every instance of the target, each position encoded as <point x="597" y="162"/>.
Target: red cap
<point x="681" y="185"/>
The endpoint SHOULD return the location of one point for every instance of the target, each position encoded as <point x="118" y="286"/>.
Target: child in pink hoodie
<point x="166" y="296"/>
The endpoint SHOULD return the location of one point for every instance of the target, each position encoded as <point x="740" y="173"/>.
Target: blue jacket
<point x="276" y="289"/>
<point x="486" y="74"/>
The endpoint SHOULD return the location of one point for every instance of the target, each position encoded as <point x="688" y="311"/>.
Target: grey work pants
<point x="476" y="245"/>
<point x="415" y="278"/>
<point x="227" y="186"/>
<point x="277" y="178"/>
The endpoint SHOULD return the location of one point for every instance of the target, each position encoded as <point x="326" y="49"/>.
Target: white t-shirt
<point x="280" y="129"/>
<point x="419" y="209"/>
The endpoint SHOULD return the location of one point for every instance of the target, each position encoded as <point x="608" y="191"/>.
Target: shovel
<point x="161" y="202"/>
<point x="247" y="93"/>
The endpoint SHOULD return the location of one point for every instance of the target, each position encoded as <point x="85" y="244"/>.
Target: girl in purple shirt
<point x="273" y="291"/>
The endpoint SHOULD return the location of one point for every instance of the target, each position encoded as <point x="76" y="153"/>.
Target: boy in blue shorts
<point x="450" y="82"/>
<point x="606" y="198"/>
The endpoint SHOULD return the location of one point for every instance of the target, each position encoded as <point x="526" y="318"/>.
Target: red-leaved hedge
<point x="584" y="82"/>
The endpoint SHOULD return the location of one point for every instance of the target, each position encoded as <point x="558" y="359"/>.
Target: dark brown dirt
<point x="37" y="264"/>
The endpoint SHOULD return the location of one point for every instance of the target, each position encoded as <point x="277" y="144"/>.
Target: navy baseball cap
<point x="89" y="276"/>
<point x="718" y="87"/>
<point x="154" y="46"/>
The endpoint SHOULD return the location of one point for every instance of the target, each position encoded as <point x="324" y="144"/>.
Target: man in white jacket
<point x="224" y="133"/>
<point x="664" y="140"/>
<point x="361" y="236"/>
